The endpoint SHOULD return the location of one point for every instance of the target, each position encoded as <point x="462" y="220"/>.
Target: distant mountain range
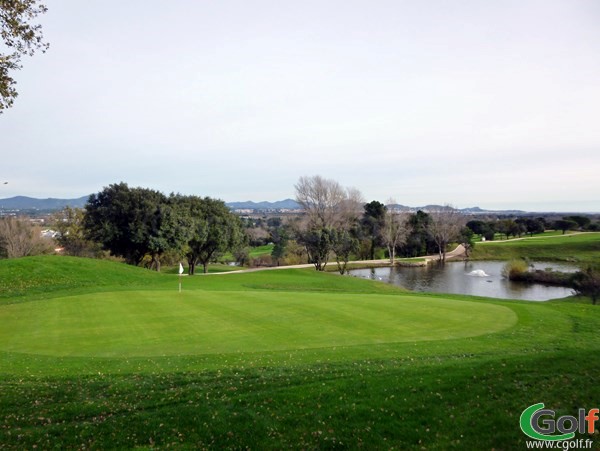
<point x="289" y="204"/>
<point x="30" y="203"/>
<point x="468" y="211"/>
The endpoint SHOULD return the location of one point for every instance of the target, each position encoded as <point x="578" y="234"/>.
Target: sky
<point x="470" y="103"/>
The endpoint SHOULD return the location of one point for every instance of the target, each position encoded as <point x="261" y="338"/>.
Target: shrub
<point x="261" y="260"/>
<point x="514" y="269"/>
<point x="587" y="283"/>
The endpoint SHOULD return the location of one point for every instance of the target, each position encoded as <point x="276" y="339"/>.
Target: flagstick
<point x="180" y="274"/>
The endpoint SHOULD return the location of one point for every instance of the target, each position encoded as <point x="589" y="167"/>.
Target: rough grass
<point x="459" y="393"/>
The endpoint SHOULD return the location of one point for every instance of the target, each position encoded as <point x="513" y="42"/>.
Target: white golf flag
<point x="180" y="268"/>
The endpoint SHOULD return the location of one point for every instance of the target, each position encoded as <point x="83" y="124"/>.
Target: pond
<point x="479" y="278"/>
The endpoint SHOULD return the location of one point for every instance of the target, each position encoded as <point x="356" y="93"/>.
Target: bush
<point x="514" y="269"/>
<point x="242" y="256"/>
<point x="547" y="276"/>
<point x="262" y="260"/>
<point x="594" y="227"/>
<point x="518" y="271"/>
<point x="587" y="283"/>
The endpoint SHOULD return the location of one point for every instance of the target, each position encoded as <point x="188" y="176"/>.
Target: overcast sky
<point x="488" y="103"/>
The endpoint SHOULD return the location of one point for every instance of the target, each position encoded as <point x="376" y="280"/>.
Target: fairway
<point x="160" y="323"/>
<point x="582" y="248"/>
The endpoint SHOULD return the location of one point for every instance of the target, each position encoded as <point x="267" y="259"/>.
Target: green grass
<point x="160" y="323"/>
<point x="255" y="252"/>
<point x="261" y="250"/>
<point x="580" y="248"/>
<point x="117" y="358"/>
<point x="212" y="268"/>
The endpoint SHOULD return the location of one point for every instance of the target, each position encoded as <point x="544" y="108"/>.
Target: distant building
<point x="49" y="233"/>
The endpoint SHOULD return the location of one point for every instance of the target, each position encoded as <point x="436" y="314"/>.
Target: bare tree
<point x="444" y="227"/>
<point x="351" y="208"/>
<point x="329" y="208"/>
<point x="326" y="202"/>
<point x="18" y="238"/>
<point x="395" y="229"/>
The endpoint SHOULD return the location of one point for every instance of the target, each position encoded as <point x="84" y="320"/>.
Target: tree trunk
<point x="341" y="267"/>
<point x="443" y="252"/>
<point x="205" y="266"/>
<point x="191" y="266"/>
<point x="155" y="263"/>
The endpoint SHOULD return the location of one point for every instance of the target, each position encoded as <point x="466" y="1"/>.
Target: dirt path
<point x="458" y="252"/>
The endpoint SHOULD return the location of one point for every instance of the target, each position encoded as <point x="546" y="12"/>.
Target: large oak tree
<point x="134" y="222"/>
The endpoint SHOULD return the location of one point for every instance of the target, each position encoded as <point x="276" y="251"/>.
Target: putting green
<point x="154" y="323"/>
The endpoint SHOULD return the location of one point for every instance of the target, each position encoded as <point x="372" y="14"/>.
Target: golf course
<point x="98" y="354"/>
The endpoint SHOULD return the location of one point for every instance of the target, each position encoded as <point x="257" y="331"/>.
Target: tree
<point x="395" y="230"/>
<point x="172" y="230"/>
<point x="534" y="225"/>
<point x="69" y="223"/>
<point x="582" y="221"/>
<point x="419" y="241"/>
<point x="587" y="283"/>
<point x="195" y="208"/>
<point x="508" y="227"/>
<point x="444" y="227"/>
<point x="565" y="224"/>
<point x="477" y="226"/>
<point x="326" y="203"/>
<point x="21" y="37"/>
<point x="295" y="253"/>
<point x="279" y="237"/>
<point x="343" y="245"/>
<point x="242" y="255"/>
<point x="467" y="240"/>
<point x="19" y="238"/>
<point x="321" y="200"/>
<point x="373" y="221"/>
<point x="318" y="244"/>
<point x="521" y="227"/>
<point x="482" y="228"/>
<point x="128" y="222"/>
<point x="214" y="230"/>
<point x="328" y="207"/>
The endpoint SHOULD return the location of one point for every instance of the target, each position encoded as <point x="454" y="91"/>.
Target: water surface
<point x="459" y="278"/>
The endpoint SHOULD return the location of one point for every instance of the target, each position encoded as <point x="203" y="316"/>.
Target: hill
<point x="24" y="203"/>
<point x="288" y="204"/>
<point x="31" y="203"/>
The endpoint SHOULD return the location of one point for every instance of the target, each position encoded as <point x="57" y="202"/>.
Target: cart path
<point x="457" y="252"/>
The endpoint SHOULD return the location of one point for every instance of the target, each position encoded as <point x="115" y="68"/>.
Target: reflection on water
<point x="473" y="278"/>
